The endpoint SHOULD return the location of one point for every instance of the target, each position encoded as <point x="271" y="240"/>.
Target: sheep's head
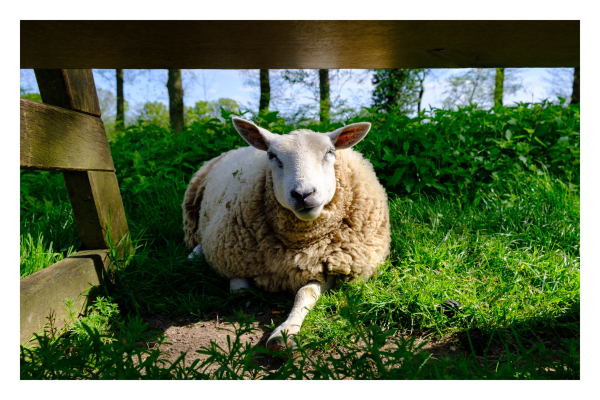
<point x="302" y="163"/>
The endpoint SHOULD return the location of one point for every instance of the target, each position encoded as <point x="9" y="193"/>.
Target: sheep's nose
<point x="300" y="196"/>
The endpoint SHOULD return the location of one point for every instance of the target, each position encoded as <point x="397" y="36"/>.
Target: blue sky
<point x="150" y="85"/>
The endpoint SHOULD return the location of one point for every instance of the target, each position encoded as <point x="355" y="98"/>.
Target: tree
<point x="421" y="79"/>
<point x="575" y="95"/>
<point x="397" y="88"/>
<point x="204" y="110"/>
<point x="155" y="112"/>
<point x="499" y="88"/>
<point x="561" y="82"/>
<point x="265" y="91"/>
<point x="175" y="99"/>
<point x="318" y="83"/>
<point x="120" y="118"/>
<point x="324" y="86"/>
<point x="478" y="85"/>
<point x="324" y="89"/>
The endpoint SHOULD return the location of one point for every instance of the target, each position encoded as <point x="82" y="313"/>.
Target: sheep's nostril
<point x="296" y="195"/>
<point x="301" y="196"/>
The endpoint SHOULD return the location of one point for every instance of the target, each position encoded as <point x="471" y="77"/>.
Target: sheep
<point x="295" y="212"/>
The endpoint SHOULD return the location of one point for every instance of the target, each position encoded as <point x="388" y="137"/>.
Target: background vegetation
<point x="484" y="206"/>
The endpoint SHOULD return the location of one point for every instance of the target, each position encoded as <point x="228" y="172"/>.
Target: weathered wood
<point x="69" y="88"/>
<point x="43" y="293"/>
<point x="95" y="196"/>
<point x="53" y="138"/>
<point x="97" y="204"/>
<point x="299" y="44"/>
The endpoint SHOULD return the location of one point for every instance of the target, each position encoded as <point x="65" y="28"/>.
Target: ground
<point x="188" y="336"/>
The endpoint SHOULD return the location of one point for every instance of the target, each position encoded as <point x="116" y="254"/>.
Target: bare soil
<point x="189" y="336"/>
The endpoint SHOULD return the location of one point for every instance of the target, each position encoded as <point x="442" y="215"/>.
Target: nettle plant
<point x="439" y="151"/>
<point x="449" y="151"/>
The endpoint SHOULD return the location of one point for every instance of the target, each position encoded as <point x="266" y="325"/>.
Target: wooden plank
<point x="53" y="138"/>
<point x="299" y="44"/>
<point x="97" y="204"/>
<point x="43" y="293"/>
<point x="69" y="88"/>
<point x="95" y="196"/>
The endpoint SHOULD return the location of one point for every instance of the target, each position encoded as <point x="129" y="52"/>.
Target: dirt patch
<point x="189" y="336"/>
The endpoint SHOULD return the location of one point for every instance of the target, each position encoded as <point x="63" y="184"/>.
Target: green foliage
<point x="99" y="346"/>
<point x="99" y="316"/>
<point x="477" y="86"/>
<point x="38" y="254"/>
<point x="484" y="209"/>
<point x="458" y="152"/>
<point x="45" y="214"/>
<point x="510" y="259"/>
<point x="120" y="350"/>
<point x="155" y="113"/>
<point x="30" y="95"/>
<point x="397" y="89"/>
<point x="203" y="110"/>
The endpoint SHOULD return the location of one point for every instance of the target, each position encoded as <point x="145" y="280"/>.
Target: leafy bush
<point x="440" y="151"/>
<point x="457" y="152"/>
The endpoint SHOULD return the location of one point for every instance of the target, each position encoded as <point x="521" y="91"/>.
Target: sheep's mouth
<point x="308" y="213"/>
<point x="306" y="210"/>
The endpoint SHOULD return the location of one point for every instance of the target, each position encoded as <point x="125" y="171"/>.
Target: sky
<point x="150" y="85"/>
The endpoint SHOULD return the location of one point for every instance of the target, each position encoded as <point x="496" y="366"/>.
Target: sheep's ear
<point x="349" y="135"/>
<point x="254" y="135"/>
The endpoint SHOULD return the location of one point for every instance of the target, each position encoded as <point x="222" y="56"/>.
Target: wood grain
<point x="42" y="293"/>
<point x="299" y="44"/>
<point x="94" y="193"/>
<point x="97" y="205"/>
<point x="53" y="138"/>
<point x="69" y="88"/>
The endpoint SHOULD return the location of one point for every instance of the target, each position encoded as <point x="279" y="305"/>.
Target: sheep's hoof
<point x="275" y="344"/>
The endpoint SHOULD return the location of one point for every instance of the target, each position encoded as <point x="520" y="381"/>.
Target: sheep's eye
<point x="273" y="156"/>
<point x="330" y="152"/>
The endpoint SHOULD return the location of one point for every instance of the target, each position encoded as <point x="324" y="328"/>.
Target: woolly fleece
<point x="231" y="210"/>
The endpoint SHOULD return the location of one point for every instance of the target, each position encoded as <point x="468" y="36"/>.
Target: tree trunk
<point x="325" y="103"/>
<point x="175" y="99"/>
<point x="120" y="120"/>
<point x="575" y="95"/>
<point x="265" y="91"/>
<point x="499" y="91"/>
<point x="421" y="91"/>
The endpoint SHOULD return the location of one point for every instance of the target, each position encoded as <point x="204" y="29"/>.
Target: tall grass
<point x="37" y="254"/>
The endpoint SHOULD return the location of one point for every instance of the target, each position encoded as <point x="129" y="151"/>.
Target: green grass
<point x="508" y="251"/>
<point x="37" y="254"/>
<point x="511" y="260"/>
<point x="48" y="229"/>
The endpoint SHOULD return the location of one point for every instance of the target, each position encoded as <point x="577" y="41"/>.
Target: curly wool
<point x="231" y="210"/>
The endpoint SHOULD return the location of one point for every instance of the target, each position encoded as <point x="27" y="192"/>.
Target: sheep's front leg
<point x="237" y="284"/>
<point x="197" y="252"/>
<point x="306" y="298"/>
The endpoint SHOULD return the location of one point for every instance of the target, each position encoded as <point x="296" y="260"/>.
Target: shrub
<point x="441" y="151"/>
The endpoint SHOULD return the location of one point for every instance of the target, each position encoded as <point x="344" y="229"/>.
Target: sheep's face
<point x="302" y="163"/>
